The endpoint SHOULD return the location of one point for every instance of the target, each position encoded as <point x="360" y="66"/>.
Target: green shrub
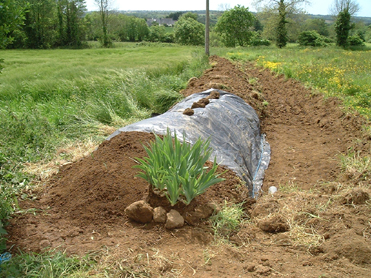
<point x="355" y="41"/>
<point x="177" y="170"/>
<point x="258" y="42"/>
<point x="311" y="38"/>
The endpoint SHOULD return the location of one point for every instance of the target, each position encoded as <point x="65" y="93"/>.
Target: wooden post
<point x="207" y="23"/>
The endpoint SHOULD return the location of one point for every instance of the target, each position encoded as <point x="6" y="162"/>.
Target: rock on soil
<point x="159" y="215"/>
<point x="174" y="220"/>
<point x="140" y="212"/>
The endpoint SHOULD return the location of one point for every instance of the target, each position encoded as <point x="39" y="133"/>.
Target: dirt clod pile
<point x="316" y="225"/>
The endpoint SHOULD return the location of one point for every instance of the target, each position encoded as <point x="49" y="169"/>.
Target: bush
<point x="157" y="33"/>
<point x="311" y="38"/>
<point x="177" y="170"/>
<point x="355" y="41"/>
<point x="189" y="31"/>
<point x="259" y="41"/>
<point x="234" y="26"/>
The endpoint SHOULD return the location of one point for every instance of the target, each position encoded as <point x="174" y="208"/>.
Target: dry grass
<point x="69" y="153"/>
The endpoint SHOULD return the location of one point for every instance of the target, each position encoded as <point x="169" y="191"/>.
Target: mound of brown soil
<point x="82" y="208"/>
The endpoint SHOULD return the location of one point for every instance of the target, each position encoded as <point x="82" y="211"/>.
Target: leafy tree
<point x="281" y="33"/>
<point x="317" y="24"/>
<point x="92" y="26"/>
<point x="190" y="15"/>
<point x="344" y="10"/>
<point x="137" y="29"/>
<point x="11" y="19"/>
<point x="188" y="30"/>
<point x="40" y="23"/>
<point x="278" y="23"/>
<point x="70" y="29"/>
<point x="121" y="27"/>
<point x="142" y="29"/>
<point x="175" y="16"/>
<point x="235" y="26"/>
<point x="342" y="28"/>
<point x="156" y="33"/>
<point x="103" y="6"/>
<point x="258" y="26"/>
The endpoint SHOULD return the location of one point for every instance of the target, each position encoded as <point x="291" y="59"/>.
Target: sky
<point x="317" y="6"/>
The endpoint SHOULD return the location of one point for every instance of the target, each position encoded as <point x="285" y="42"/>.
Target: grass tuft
<point x="47" y="264"/>
<point x="227" y="220"/>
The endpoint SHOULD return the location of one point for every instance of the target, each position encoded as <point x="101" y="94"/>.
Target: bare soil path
<point x="317" y="224"/>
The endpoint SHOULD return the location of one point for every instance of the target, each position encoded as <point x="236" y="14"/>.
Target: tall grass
<point x="49" y="98"/>
<point x="334" y="71"/>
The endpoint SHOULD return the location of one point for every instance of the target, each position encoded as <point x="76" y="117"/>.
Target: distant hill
<point x="214" y="14"/>
<point x="330" y="18"/>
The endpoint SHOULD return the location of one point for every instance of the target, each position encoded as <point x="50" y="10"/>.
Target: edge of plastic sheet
<point x="4" y="258"/>
<point x="263" y="164"/>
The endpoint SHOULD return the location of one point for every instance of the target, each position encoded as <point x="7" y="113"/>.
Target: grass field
<point x="54" y="98"/>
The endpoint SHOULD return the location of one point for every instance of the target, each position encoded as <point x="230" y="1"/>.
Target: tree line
<point x="44" y="24"/>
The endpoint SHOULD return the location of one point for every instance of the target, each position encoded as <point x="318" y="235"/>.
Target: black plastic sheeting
<point x="232" y="126"/>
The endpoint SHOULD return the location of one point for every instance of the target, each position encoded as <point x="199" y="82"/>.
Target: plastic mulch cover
<point x="232" y="126"/>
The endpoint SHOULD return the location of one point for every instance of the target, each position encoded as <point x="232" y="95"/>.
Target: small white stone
<point x="272" y="190"/>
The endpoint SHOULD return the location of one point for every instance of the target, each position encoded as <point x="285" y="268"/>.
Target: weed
<point x="227" y="220"/>
<point x="208" y="255"/>
<point x="253" y="80"/>
<point x="288" y="187"/>
<point x="356" y="166"/>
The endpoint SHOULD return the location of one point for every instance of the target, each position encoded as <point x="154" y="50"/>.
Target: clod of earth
<point x="174" y="220"/>
<point x="159" y="215"/>
<point x="198" y="105"/>
<point x="140" y="211"/>
<point x="274" y="224"/>
<point x="356" y="197"/>
<point x="214" y="95"/>
<point x="192" y="81"/>
<point x="188" y="111"/>
<point x="204" y="101"/>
